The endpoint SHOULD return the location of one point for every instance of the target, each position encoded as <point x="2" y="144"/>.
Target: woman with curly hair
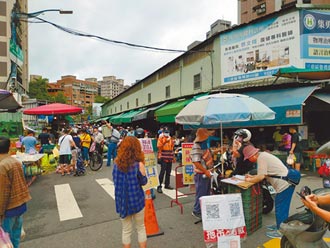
<point x="128" y="174"/>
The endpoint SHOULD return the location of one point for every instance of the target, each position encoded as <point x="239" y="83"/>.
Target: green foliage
<point x="38" y="89"/>
<point x="60" y="98"/>
<point x="100" y="99"/>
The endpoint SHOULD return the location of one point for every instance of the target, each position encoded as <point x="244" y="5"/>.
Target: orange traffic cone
<point x="150" y="219"/>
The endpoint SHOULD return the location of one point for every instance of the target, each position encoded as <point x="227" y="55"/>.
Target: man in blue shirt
<point x="29" y="142"/>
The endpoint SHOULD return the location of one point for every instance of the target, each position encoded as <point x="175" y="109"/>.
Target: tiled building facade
<point x="77" y="92"/>
<point x="249" y="10"/>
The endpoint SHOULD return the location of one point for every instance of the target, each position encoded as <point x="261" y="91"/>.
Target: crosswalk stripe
<point x="66" y="204"/>
<point x="107" y="185"/>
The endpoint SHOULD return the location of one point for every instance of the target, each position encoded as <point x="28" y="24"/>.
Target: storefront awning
<point x="117" y="119"/>
<point x="286" y="103"/>
<point x="302" y="73"/>
<point x="167" y="113"/>
<point x="148" y="113"/>
<point x="125" y="117"/>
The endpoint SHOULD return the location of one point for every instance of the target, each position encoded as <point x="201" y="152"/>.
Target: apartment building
<point x="110" y="86"/>
<point x="13" y="46"/>
<point x="249" y="10"/>
<point x="78" y="92"/>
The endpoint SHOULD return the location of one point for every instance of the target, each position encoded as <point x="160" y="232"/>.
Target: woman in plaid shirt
<point x="129" y="195"/>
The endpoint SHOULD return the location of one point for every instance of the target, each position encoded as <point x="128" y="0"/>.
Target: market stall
<point x="31" y="165"/>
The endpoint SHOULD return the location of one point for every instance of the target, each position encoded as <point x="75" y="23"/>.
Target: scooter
<point x="305" y="229"/>
<point x="267" y="193"/>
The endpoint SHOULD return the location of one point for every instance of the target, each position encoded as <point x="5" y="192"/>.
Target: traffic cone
<point x="150" y="219"/>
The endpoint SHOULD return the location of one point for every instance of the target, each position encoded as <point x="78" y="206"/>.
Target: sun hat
<point x="249" y="151"/>
<point x="202" y="134"/>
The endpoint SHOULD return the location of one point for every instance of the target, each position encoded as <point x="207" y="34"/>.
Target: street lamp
<point x="15" y="48"/>
<point x="35" y="14"/>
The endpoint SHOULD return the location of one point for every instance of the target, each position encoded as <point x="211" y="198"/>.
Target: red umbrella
<point x="53" y="109"/>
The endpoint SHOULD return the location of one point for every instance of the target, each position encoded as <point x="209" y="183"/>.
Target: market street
<point x="69" y="211"/>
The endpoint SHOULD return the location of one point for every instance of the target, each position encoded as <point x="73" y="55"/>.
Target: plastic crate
<point x="247" y="194"/>
<point x="252" y="202"/>
<point x="253" y="226"/>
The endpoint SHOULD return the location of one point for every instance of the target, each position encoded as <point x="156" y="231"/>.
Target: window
<point x="127" y="105"/>
<point x="197" y="81"/>
<point x="121" y="107"/>
<point x="149" y="97"/>
<point x="137" y="102"/>
<point x="168" y="91"/>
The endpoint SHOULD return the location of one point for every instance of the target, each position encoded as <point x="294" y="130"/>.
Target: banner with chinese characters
<point x="222" y="215"/>
<point x="188" y="168"/>
<point x="150" y="164"/>
<point x="315" y="38"/>
<point x="258" y="50"/>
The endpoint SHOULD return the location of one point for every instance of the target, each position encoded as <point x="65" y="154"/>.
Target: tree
<point x="38" y="89"/>
<point x="60" y="97"/>
<point x="100" y="99"/>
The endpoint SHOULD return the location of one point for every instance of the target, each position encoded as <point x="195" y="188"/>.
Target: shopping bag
<point x="56" y="152"/>
<point x="92" y="148"/>
<point x="5" y="240"/>
<point x="291" y="159"/>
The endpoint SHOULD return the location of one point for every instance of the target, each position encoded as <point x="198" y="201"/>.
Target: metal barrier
<point x="179" y="184"/>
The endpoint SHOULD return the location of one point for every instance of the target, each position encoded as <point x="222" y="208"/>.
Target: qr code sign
<point x="212" y="211"/>
<point x="234" y="209"/>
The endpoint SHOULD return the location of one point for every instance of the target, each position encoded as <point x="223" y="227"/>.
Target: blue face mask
<point x="203" y="145"/>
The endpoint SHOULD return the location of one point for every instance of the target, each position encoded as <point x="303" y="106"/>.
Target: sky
<point x="171" y="24"/>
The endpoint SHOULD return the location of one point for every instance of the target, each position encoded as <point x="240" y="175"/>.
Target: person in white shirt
<point x="98" y="139"/>
<point x="65" y="143"/>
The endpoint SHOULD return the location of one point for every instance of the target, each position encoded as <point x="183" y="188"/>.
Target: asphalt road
<point x="99" y="225"/>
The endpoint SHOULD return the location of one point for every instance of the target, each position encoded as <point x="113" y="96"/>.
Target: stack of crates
<point x="252" y="205"/>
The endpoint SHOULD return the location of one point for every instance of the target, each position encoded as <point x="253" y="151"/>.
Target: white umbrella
<point x="324" y="149"/>
<point x="216" y="109"/>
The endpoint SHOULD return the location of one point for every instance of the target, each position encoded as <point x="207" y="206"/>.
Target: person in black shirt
<point x="241" y="139"/>
<point x="295" y="147"/>
<point x="44" y="137"/>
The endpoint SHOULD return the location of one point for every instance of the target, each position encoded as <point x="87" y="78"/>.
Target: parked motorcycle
<point x="267" y="196"/>
<point x="305" y="229"/>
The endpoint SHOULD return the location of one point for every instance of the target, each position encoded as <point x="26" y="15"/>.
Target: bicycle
<point x="96" y="159"/>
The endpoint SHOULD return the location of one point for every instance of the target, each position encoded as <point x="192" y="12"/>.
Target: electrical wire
<point x="132" y="45"/>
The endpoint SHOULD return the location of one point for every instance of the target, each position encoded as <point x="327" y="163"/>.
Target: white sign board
<point x="222" y="215"/>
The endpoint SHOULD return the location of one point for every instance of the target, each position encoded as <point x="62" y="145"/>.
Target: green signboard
<point x="16" y="53"/>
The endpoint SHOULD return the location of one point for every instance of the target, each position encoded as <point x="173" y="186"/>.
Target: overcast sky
<point x="170" y="24"/>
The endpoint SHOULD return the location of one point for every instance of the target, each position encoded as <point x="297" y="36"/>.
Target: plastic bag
<point x="56" y="152"/>
<point x="92" y="148"/>
<point x="291" y="159"/>
<point x="5" y="240"/>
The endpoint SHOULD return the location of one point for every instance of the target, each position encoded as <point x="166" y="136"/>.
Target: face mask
<point x="166" y="134"/>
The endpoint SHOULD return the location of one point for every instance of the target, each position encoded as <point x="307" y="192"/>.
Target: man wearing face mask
<point x="165" y="145"/>
<point x="98" y="139"/>
<point x="201" y="157"/>
<point x="241" y="139"/>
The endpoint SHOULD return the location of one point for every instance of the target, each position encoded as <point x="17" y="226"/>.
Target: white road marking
<point x="66" y="203"/>
<point x="107" y="185"/>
